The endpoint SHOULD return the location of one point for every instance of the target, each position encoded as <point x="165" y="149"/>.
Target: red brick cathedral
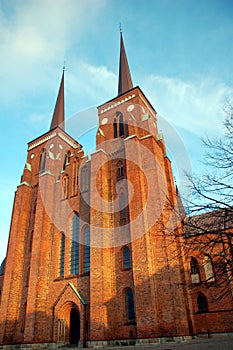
<point x="91" y="257"/>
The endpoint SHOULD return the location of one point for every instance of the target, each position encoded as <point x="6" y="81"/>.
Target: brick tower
<point x="90" y="256"/>
<point x="136" y="283"/>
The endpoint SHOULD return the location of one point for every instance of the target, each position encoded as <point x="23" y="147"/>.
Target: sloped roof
<point x="210" y="222"/>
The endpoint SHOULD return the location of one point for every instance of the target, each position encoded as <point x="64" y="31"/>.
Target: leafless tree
<point x="208" y="225"/>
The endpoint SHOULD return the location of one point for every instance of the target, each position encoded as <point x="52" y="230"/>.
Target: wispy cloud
<point x="89" y="85"/>
<point x="35" y="119"/>
<point x="38" y="34"/>
<point x="196" y="106"/>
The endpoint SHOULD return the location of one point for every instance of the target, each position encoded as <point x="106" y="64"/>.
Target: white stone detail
<point x="28" y="166"/>
<point x="45" y="139"/>
<point x="66" y="139"/>
<point x="147" y="105"/>
<point x="130" y="108"/>
<point x="25" y="183"/>
<point x="51" y="155"/>
<point x="58" y="156"/>
<point x="117" y="104"/>
<point x="104" y="121"/>
<point x="101" y="132"/>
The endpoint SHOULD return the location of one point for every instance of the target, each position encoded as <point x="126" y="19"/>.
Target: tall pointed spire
<point x="125" y="81"/>
<point x="59" y="110"/>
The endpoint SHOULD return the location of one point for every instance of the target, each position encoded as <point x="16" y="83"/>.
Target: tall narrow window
<point x="75" y="178"/>
<point x="120" y="169"/>
<point x="66" y="186"/>
<point x="68" y="155"/>
<point x="129" y="299"/>
<point x="194" y="265"/>
<point x="64" y="163"/>
<point x="74" y="249"/>
<point x="115" y="128"/>
<point x="121" y="123"/>
<point x="62" y="255"/>
<point x="86" y="264"/>
<point x="194" y="270"/>
<point x="126" y="258"/>
<point x="66" y="159"/>
<point x="120" y="172"/>
<point x="84" y="179"/>
<point x="208" y="267"/>
<point x="42" y="161"/>
<point x="202" y="303"/>
<point x="123" y="211"/>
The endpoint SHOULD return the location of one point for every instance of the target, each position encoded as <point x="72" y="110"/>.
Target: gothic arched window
<point x="68" y="155"/>
<point x="120" y="170"/>
<point x="208" y="268"/>
<point x="42" y="160"/>
<point x="126" y="258"/>
<point x="123" y="211"/>
<point x="84" y="179"/>
<point x="66" y="159"/>
<point x="74" y="248"/>
<point x="121" y="125"/>
<point x="86" y="253"/>
<point x="75" y="178"/>
<point x="194" y="266"/>
<point x="194" y="270"/>
<point x="129" y="303"/>
<point x="115" y="128"/>
<point x="118" y="125"/>
<point x="62" y="255"/>
<point x="66" y="186"/>
<point x="202" y="304"/>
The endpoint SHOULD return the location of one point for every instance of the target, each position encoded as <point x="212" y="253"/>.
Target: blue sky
<point x="179" y="51"/>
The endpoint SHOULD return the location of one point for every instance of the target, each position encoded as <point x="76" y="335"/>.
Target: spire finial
<point x="64" y="66"/>
<point x="125" y="81"/>
<point x="58" y="119"/>
<point x="120" y="27"/>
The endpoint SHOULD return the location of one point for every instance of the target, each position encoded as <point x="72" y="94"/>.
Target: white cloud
<point x="188" y="111"/>
<point x="91" y="84"/>
<point x="196" y="106"/>
<point x="35" y="119"/>
<point x="35" y="39"/>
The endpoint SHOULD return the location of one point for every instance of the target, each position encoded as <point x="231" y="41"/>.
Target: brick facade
<point x="133" y="282"/>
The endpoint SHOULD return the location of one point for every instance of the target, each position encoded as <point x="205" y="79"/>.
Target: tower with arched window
<point x="90" y="259"/>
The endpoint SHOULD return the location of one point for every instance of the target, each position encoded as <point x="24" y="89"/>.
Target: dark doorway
<point x="74" y="326"/>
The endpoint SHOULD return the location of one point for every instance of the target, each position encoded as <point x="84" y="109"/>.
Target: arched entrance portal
<point x="74" y="326"/>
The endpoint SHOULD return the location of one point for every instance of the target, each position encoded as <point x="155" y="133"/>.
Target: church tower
<point x="91" y="257"/>
<point x="47" y="204"/>
<point x="136" y="281"/>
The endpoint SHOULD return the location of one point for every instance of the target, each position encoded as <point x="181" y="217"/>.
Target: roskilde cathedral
<point x="91" y="257"/>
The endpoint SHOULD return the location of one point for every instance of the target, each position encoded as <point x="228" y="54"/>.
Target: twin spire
<point x="124" y="84"/>
<point x="124" y="80"/>
<point x="59" y="110"/>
